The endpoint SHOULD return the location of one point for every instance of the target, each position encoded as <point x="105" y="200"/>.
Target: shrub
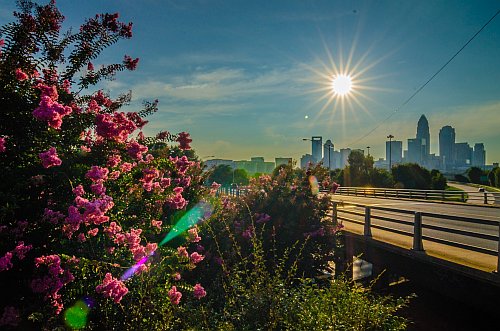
<point x="84" y="195"/>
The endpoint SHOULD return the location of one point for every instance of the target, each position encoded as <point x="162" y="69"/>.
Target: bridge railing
<point x="417" y="223"/>
<point x="440" y="195"/>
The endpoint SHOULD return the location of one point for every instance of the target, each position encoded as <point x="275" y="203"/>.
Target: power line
<point x="427" y="82"/>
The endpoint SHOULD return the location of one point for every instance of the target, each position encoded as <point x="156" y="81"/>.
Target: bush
<point x="82" y="200"/>
<point x="258" y="289"/>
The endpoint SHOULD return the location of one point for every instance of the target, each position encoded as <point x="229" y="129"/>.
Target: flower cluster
<point x="50" y="158"/>
<point x="51" y="283"/>
<point x="2" y="144"/>
<point x="50" y="109"/>
<point x="112" y="288"/>
<point x="174" y="295"/>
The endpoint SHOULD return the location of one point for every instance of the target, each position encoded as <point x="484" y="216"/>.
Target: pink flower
<point x="129" y="63"/>
<point x="51" y="111"/>
<point x="196" y="258"/>
<point x="112" y="288"/>
<point x="10" y="317"/>
<point x="126" y="167"/>
<point x="262" y="218"/>
<point x="114" y="160"/>
<point x="5" y="261"/>
<point x="184" y="140"/>
<point x="135" y="150"/>
<point x="182" y="251"/>
<point x="98" y="188"/>
<point x="52" y="216"/>
<point x="174" y="295"/>
<point x="177" y="201"/>
<point x="79" y="191"/>
<point x="97" y="173"/>
<point x="248" y="233"/>
<point x="156" y="224"/>
<point x="193" y="235"/>
<point x="20" y="75"/>
<point x="50" y="158"/>
<point x="114" y="175"/>
<point x="2" y="144"/>
<point x="93" y="232"/>
<point x="198" y="291"/>
<point x="176" y="276"/>
<point x="21" y="250"/>
<point x="335" y="187"/>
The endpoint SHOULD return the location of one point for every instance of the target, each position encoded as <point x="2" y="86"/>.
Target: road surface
<point x="471" y="211"/>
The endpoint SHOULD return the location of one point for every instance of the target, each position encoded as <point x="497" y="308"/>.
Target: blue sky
<point x="250" y="78"/>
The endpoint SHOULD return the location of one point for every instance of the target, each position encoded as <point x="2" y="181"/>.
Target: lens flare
<point x="198" y="213"/>
<point x="313" y="181"/>
<point x="75" y="317"/>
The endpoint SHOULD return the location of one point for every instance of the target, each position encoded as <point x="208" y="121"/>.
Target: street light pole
<point x="390" y="151"/>
<point x="368" y="148"/>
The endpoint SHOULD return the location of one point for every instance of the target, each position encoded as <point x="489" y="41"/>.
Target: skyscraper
<point x="416" y="150"/>
<point x="317" y="143"/>
<point x="424" y="135"/>
<point x="344" y="155"/>
<point x="396" y="151"/>
<point x="328" y="154"/>
<point x="479" y="156"/>
<point x="447" y="145"/>
<point x="463" y="153"/>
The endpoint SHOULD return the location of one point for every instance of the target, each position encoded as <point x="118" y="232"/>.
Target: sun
<point x="342" y="85"/>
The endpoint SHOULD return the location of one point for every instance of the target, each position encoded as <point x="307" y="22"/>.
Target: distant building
<point x="344" y="156"/>
<point x="447" y="146"/>
<point x="328" y="153"/>
<point x="479" y="156"/>
<point x="336" y="159"/>
<point x="424" y="136"/>
<point x="305" y="160"/>
<point x="395" y="148"/>
<point x="282" y="160"/>
<point x="416" y="151"/>
<point x="212" y="163"/>
<point x="463" y="155"/>
<point x="255" y="165"/>
<point x="317" y="143"/>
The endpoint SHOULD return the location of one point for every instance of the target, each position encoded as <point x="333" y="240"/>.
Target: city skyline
<point x="252" y="78"/>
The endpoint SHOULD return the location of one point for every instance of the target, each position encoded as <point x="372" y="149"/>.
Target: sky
<point x="252" y="78"/>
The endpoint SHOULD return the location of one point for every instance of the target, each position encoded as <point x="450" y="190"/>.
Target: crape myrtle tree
<point x="83" y="194"/>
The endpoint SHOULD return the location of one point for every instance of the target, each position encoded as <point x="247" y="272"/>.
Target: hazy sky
<point x="252" y="78"/>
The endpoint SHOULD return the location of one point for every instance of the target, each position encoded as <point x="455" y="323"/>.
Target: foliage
<point x="287" y="211"/>
<point x="474" y="174"/>
<point x="492" y="177"/>
<point x="251" y="292"/>
<point x="221" y="174"/>
<point x="381" y="178"/>
<point x="411" y="176"/>
<point x="81" y="200"/>
<point x="241" y="177"/>
<point x="359" y="170"/>
<point x="438" y="181"/>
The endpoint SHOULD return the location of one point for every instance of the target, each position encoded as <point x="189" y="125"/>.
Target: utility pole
<point x="390" y="151"/>
<point x="368" y="148"/>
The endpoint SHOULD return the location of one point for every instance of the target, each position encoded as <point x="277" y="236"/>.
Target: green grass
<point x="486" y="187"/>
<point x="458" y="197"/>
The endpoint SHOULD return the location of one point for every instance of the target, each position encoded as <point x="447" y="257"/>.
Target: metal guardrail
<point x="418" y="224"/>
<point x="460" y="196"/>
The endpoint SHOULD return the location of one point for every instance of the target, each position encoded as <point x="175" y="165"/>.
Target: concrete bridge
<point x="451" y="248"/>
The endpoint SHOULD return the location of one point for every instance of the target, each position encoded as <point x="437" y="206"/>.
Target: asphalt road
<point x="474" y="195"/>
<point x="463" y="210"/>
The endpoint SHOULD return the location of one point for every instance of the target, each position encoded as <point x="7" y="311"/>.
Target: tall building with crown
<point x="425" y="137"/>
